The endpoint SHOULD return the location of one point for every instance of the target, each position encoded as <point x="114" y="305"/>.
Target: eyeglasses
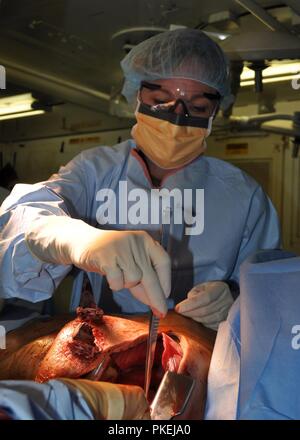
<point x="159" y="98"/>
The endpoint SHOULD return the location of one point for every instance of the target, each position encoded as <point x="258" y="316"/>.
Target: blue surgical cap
<point x="181" y="53"/>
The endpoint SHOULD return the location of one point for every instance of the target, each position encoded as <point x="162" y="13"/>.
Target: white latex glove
<point x="128" y="259"/>
<point x="208" y="303"/>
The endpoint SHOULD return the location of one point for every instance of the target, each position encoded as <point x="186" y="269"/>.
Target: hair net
<point x="181" y="53"/>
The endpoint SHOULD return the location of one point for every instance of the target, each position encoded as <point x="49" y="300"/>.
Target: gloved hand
<point x="109" y="401"/>
<point x="208" y="303"/>
<point x="128" y="259"/>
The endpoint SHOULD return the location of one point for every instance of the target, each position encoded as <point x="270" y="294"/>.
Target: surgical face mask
<point x="169" y="139"/>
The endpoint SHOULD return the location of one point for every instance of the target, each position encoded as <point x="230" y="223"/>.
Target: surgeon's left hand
<point x="208" y="303"/>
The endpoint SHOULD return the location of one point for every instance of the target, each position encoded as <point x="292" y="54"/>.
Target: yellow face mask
<point x="170" y="140"/>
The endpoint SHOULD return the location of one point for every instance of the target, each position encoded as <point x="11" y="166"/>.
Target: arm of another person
<point x="28" y="400"/>
<point x="71" y="399"/>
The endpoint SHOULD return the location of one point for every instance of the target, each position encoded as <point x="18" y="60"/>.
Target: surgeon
<point x="177" y="81"/>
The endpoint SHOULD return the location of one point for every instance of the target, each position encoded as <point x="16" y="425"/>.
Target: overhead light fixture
<point x="269" y="80"/>
<point x="21" y="114"/>
<point x="276" y="72"/>
<point x="19" y="106"/>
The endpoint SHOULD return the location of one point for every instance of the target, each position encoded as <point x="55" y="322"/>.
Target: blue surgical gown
<point x="28" y="400"/>
<point x="239" y="219"/>
<point x="254" y="371"/>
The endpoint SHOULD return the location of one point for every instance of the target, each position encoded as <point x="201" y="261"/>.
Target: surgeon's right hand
<point x="128" y="259"/>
